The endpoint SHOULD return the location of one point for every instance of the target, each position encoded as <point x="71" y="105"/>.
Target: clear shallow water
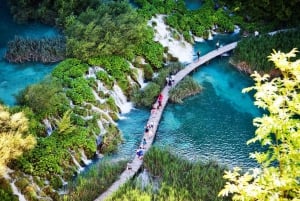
<point x="15" y="77"/>
<point x="216" y="124"/>
<point x="209" y="45"/>
<point x="213" y="125"/>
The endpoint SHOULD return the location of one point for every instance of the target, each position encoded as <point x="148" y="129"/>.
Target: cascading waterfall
<point x="98" y="110"/>
<point x="143" y="179"/>
<point x="101" y="100"/>
<point x="17" y="192"/>
<point x="237" y="29"/>
<point x="80" y="169"/>
<point x="48" y="126"/>
<point x="64" y="189"/>
<point x="139" y="75"/>
<point x="163" y="34"/>
<point x="210" y="37"/>
<point x="120" y="99"/>
<point x="13" y="186"/>
<point x="84" y="158"/>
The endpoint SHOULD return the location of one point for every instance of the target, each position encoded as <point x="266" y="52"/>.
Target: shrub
<point x="185" y="88"/>
<point x="147" y="96"/>
<point x="148" y="72"/>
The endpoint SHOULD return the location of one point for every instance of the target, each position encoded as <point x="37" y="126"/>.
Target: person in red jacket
<point x="160" y="98"/>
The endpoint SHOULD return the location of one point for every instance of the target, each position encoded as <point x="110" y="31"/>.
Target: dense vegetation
<point x="277" y="178"/>
<point x="46" y="50"/>
<point x="187" y="87"/>
<point x="275" y="14"/>
<point x="173" y="178"/>
<point x="90" y="185"/>
<point x="53" y="157"/>
<point x="112" y="29"/>
<point x="14" y="137"/>
<point x="106" y="34"/>
<point x="252" y="52"/>
<point x="198" y="22"/>
<point x="48" y="12"/>
<point x="146" y="97"/>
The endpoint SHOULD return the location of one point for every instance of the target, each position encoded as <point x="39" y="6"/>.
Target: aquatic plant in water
<point x="45" y="50"/>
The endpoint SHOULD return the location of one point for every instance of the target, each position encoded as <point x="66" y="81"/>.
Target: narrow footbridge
<point x="155" y="117"/>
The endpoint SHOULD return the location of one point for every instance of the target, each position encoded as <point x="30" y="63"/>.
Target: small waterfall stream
<point x="79" y="167"/>
<point x="143" y="180"/>
<point x="120" y="99"/>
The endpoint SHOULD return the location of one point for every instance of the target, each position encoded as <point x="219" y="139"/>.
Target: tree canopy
<point x="51" y="12"/>
<point x="278" y="132"/>
<point x="14" y="137"/>
<point x="114" y="28"/>
<point x="278" y="12"/>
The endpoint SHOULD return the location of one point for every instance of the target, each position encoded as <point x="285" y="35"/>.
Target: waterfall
<point x="48" y="126"/>
<point x="91" y="73"/>
<point x="64" y="189"/>
<point x="198" y="39"/>
<point x="97" y="97"/>
<point x="120" y="99"/>
<point x="102" y="129"/>
<point x="80" y="169"/>
<point x="140" y="77"/>
<point x="101" y="87"/>
<point x="96" y="109"/>
<point x="163" y="34"/>
<point x="84" y="158"/>
<point x="17" y="192"/>
<point x="237" y="29"/>
<point x="209" y="36"/>
<point x="143" y="179"/>
<point x="14" y="188"/>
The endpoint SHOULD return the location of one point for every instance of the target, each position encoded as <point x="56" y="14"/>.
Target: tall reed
<point x="89" y="186"/>
<point x="178" y="179"/>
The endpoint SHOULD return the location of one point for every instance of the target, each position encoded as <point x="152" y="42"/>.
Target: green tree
<point x="14" y="137"/>
<point x="278" y="132"/>
<point x="64" y="125"/>
<point x="45" y="98"/>
<point x="114" y="28"/>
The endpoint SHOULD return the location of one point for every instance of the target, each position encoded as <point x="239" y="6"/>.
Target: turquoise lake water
<point x="212" y="125"/>
<point x="15" y="77"/>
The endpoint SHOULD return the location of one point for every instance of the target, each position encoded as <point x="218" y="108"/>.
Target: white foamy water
<point x="79" y="168"/>
<point x="84" y="158"/>
<point x="163" y="34"/>
<point x="120" y="99"/>
<point x="14" y="188"/>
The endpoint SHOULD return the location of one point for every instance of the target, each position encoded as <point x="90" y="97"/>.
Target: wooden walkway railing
<point x="155" y="117"/>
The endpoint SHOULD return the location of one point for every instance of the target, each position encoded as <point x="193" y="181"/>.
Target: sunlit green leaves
<point x="14" y="137"/>
<point x="278" y="131"/>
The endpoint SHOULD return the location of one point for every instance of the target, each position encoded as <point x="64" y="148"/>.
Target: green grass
<point x="176" y="178"/>
<point x="89" y="186"/>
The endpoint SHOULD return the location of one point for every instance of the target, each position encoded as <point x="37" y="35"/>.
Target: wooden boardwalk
<point x="156" y="116"/>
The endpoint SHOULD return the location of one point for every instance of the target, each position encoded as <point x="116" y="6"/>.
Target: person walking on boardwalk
<point x="160" y="98"/>
<point x="144" y="143"/>
<point x="198" y="55"/>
